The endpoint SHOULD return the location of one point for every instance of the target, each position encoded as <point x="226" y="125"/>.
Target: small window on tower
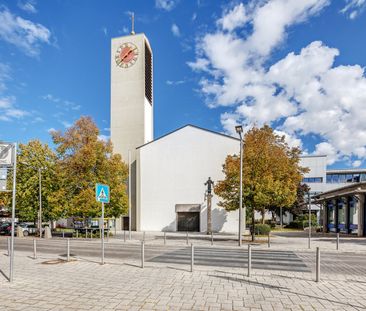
<point x="148" y="74"/>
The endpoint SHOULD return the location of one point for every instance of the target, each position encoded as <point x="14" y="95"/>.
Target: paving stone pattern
<point x="84" y="284"/>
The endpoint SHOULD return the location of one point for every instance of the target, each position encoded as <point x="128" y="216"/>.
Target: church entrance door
<point x="188" y="221"/>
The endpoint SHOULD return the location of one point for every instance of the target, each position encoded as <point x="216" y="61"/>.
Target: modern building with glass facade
<point x="344" y="209"/>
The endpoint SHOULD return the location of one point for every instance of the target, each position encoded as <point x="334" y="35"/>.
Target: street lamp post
<point x="39" y="169"/>
<point x="239" y="130"/>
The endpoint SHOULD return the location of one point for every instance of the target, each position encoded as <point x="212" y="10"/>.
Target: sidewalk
<point x="87" y="285"/>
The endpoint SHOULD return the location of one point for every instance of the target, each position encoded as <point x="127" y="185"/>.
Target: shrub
<point x="262" y="229"/>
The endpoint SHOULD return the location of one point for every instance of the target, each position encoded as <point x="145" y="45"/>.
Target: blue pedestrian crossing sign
<point x="102" y="193"/>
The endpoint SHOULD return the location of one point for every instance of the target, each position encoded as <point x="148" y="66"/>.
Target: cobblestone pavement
<point x="83" y="284"/>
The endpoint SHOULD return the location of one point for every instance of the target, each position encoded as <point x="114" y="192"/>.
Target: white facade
<point x="131" y="94"/>
<point x="171" y="172"/>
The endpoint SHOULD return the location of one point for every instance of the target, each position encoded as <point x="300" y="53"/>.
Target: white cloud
<point x="235" y="18"/>
<point x="61" y="103"/>
<point x="354" y="8"/>
<point x="166" y="5"/>
<point x="302" y="95"/>
<point x="104" y="138"/>
<point x="178" y="82"/>
<point x="23" y="33"/>
<point x="175" y="30"/>
<point x="50" y="130"/>
<point x="8" y="110"/>
<point x="28" y="6"/>
<point x="66" y="124"/>
<point x="105" y="31"/>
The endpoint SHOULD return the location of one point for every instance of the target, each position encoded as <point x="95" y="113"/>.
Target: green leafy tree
<point x="271" y="174"/>
<point x="35" y="159"/>
<point x="83" y="161"/>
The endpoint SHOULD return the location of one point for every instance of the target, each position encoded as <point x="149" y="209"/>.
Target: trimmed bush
<point x="262" y="229"/>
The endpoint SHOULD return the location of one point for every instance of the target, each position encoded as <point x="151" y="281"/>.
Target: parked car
<point x="28" y="229"/>
<point x="5" y="228"/>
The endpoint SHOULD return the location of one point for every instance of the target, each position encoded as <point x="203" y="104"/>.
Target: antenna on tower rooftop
<point x="132" y="23"/>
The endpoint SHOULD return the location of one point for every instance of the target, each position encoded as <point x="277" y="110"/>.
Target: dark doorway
<point x="188" y="221"/>
<point x="126" y="223"/>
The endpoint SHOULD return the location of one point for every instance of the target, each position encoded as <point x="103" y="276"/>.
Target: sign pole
<point x="102" y="233"/>
<point x="13" y="214"/>
<point x="129" y="194"/>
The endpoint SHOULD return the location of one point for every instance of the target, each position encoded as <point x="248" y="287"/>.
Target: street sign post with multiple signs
<point x="8" y="160"/>
<point x="102" y="195"/>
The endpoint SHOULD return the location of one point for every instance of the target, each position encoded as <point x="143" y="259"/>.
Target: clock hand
<point x="128" y="53"/>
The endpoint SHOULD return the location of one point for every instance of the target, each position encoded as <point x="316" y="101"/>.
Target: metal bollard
<point x="187" y="237"/>
<point x="34" y="249"/>
<point x="212" y="238"/>
<point x="317" y="278"/>
<point x="8" y="246"/>
<point x="68" y="249"/>
<point x="124" y="235"/>
<point x="337" y="240"/>
<point x="164" y="238"/>
<point x="63" y="233"/>
<point x="192" y="257"/>
<point x="249" y="259"/>
<point x="269" y="239"/>
<point x="91" y="234"/>
<point x="86" y="233"/>
<point x="142" y="254"/>
<point x="108" y="235"/>
<point x="77" y="234"/>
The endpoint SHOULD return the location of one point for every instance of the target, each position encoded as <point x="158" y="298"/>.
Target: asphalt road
<point x="332" y="262"/>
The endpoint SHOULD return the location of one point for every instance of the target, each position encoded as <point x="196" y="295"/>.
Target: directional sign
<point x="102" y="193"/>
<point x="6" y="154"/>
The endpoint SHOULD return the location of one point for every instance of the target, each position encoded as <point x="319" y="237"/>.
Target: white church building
<point x="167" y="175"/>
<point x="167" y="189"/>
<point x="171" y="176"/>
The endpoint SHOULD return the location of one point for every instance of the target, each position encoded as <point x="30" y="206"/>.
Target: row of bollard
<point x="317" y="276"/>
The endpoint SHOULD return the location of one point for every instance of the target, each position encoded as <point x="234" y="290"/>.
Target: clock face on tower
<point x="126" y="55"/>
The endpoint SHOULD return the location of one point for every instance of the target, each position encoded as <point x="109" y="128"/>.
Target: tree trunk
<point x="263" y="215"/>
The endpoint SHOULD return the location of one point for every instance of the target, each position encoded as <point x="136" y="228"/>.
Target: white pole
<point x="40" y="202"/>
<point x="309" y="241"/>
<point x="241" y="193"/>
<point x="102" y="233"/>
<point x="129" y="193"/>
<point x="13" y="214"/>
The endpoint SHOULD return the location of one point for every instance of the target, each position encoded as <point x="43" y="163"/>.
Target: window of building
<point x="312" y="180"/>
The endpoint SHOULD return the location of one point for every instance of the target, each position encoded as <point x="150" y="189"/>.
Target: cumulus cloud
<point x="166" y="5"/>
<point x="353" y="8"/>
<point x="175" y="30"/>
<point x="301" y="95"/>
<point x="23" y="33"/>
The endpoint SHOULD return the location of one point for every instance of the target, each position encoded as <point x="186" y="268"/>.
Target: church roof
<point x="188" y="125"/>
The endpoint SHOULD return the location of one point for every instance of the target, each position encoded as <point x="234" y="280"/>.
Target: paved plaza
<point x="282" y="278"/>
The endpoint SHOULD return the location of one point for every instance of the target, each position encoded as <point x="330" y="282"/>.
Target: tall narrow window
<point x="148" y="74"/>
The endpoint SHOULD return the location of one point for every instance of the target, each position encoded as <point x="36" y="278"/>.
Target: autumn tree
<point x="271" y="174"/>
<point x="83" y="161"/>
<point x="35" y="160"/>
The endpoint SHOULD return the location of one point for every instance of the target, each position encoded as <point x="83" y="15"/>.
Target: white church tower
<point x="132" y="123"/>
<point x="131" y="94"/>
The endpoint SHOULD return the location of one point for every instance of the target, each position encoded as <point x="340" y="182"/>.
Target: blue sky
<point x="297" y="65"/>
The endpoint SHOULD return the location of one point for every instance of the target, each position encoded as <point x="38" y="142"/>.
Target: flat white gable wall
<point x="173" y="170"/>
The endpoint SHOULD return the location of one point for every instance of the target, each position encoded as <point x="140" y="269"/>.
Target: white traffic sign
<point x="6" y="154"/>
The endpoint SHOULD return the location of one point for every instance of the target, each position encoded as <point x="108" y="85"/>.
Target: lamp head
<point x="239" y="129"/>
